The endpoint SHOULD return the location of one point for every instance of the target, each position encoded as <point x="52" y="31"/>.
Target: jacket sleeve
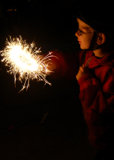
<point x="98" y="106"/>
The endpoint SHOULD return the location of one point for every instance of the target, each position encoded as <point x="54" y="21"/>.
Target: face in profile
<point x="84" y="34"/>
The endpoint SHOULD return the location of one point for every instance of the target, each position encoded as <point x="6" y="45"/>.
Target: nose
<point x="76" y="34"/>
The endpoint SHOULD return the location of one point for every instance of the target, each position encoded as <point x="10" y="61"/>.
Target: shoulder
<point x="105" y="74"/>
<point x="104" y="71"/>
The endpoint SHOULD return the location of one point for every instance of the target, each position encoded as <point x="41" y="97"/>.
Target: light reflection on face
<point x="84" y="34"/>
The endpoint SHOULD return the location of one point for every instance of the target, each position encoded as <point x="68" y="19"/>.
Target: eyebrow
<point x="86" y="28"/>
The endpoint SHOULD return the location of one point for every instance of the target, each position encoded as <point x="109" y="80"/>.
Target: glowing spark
<point x="25" y="62"/>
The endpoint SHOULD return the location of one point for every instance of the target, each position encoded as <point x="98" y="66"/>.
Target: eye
<point x="80" y="32"/>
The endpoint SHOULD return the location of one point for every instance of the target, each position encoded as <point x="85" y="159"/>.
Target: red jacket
<point x="97" y="99"/>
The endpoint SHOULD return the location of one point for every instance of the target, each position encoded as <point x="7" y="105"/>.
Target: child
<point x="96" y="79"/>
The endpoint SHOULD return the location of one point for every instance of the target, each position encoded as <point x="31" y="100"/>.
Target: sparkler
<point x="25" y="62"/>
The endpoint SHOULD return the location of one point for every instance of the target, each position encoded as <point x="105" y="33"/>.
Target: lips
<point x="79" y="42"/>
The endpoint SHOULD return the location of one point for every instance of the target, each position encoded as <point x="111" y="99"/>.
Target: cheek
<point x="86" y="42"/>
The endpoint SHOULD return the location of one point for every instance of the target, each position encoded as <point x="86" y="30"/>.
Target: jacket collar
<point x="95" y="61"/>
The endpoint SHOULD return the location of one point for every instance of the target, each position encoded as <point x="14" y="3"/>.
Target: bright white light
<point x="25" y="62"/>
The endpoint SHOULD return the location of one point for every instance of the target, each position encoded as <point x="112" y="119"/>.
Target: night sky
<point x="51" y="114"/>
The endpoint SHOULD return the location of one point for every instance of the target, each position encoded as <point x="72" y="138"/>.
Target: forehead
<point x="83" y="25"/>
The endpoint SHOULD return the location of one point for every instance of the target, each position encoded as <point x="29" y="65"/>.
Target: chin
<point x="84" y="48"/>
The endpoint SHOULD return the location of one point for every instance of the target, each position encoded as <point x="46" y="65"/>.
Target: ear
<point x="101" y="38"/>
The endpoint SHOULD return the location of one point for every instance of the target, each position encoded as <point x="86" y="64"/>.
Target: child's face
<point x="84" y="34"/>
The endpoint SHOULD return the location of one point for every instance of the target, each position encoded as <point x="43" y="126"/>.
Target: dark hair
<point x="100" y="18"/>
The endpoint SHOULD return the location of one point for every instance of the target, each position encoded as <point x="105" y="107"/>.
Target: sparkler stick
<point x="25" y="62"/>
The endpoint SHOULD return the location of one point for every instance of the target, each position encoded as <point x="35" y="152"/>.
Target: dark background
<point x="44" y="122"/>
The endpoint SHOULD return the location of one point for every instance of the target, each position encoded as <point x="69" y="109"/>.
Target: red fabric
<point x="97" y="99"/>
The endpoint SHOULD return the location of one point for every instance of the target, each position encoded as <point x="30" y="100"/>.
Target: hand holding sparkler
<point x="80" y="73"/>
<point x="83" y="70"/>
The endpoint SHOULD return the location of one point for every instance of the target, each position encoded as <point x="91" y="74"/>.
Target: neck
<point x="99" y="53"/>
